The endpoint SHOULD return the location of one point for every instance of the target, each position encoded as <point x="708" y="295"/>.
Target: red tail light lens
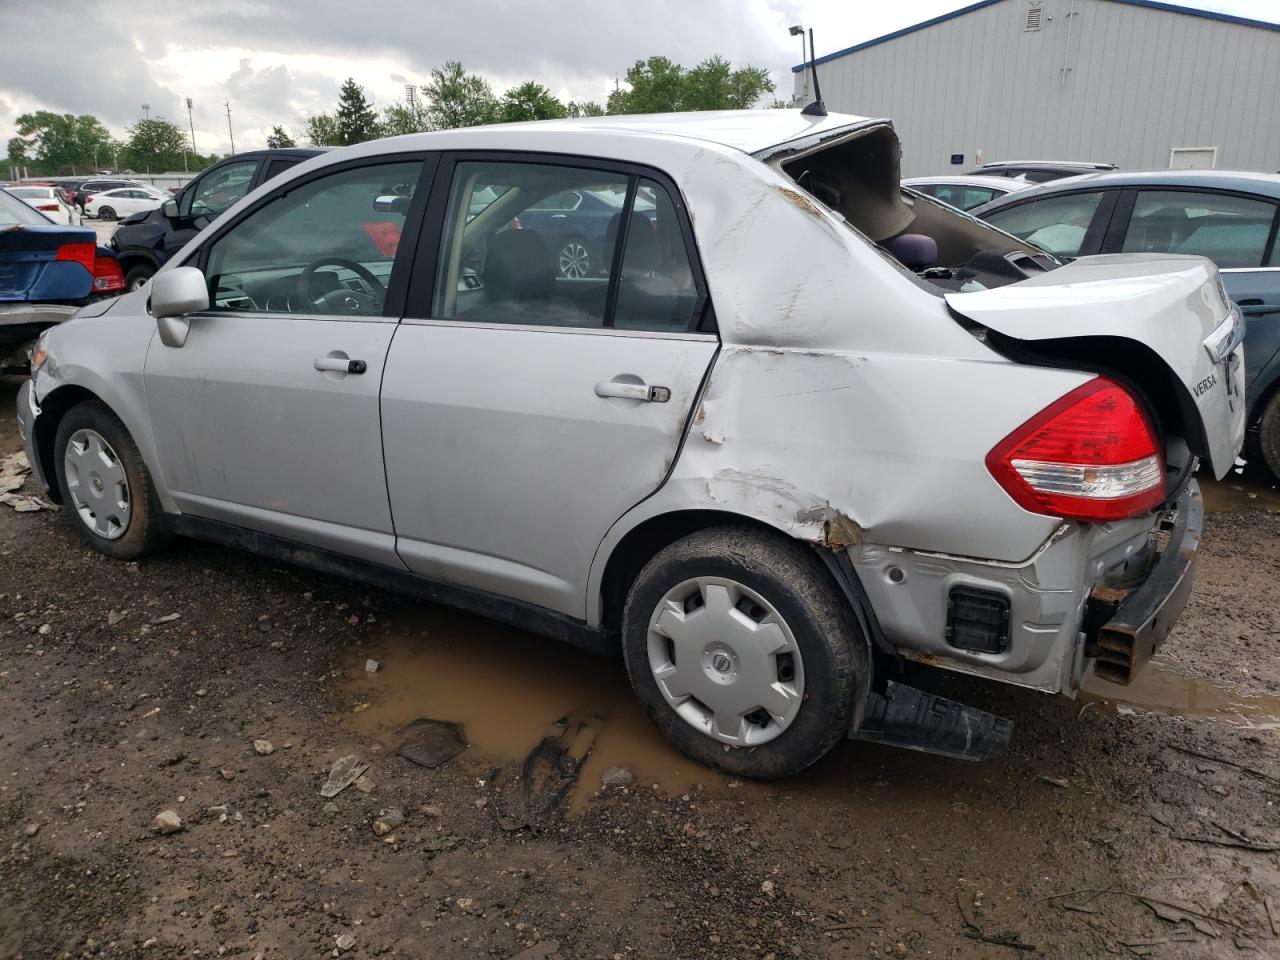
<point x="107" y="275"/>
<point x="81" y="253"/>
<point x="1091" y="455"/>
<point x="48" y="206"/>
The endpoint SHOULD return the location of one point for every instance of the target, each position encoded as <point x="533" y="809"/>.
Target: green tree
<point x="279" y="137"/>
<point x="356" y="118"/>
<point x="530" y="101"/>
<point x="57" y="142"/>
<point x="585" y="108"/>
<point x="322" y="131"/>
<point x="455" y="98"/>
<point x="658" y="85"/>
<point x="404" y="117"/>
<point x="154" y="145"/>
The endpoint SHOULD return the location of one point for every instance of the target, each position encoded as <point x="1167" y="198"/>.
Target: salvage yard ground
<point x="1107" y="830"/>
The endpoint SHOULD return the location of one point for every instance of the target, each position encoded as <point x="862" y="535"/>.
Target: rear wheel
<point x="744" y="651"/>
<point x="1269" y="435"/>
<point x="574" y="261"/>
<point x="106" y="213"/>
<point x="137" y="276"/>
<point x="106" y="488"/>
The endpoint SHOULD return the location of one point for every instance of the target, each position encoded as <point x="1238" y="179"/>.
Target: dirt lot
<point x="1106" y="830"/>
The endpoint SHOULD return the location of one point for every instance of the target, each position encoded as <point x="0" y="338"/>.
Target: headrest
<point x="915" y="251"/>
<point x="518" y="266"/>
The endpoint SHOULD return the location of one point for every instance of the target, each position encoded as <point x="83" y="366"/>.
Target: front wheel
<point x="137" y="277"/>
<point x="744" y="651"/>
<point x="106" y="488"/>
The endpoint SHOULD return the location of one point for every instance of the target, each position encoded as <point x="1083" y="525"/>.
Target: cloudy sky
<point x="279" y="60"/>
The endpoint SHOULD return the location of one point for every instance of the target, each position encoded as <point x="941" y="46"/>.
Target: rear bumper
<point x="1124" y="628"/>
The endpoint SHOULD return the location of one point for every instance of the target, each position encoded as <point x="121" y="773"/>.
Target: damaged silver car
<point x="788" y="428"/>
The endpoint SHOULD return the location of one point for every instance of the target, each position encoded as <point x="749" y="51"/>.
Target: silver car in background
<point x="794" y="425"/>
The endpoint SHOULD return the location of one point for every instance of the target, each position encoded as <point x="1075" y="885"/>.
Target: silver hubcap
<point x="726" y="661"/>
<point x="97" y="483"/>
<point x="574" y="261"/>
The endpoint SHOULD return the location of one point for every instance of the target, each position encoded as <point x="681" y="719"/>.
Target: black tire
<point x="834" y="652"/>
<point x="137" y="275"/>
<point x="106" y="213"/>
<point x="143" y="531"/>
<point x="1269" y="435"/>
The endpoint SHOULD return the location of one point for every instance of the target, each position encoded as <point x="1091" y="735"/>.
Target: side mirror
<point x="170" y="209"/>
<point x="174" y="294"/>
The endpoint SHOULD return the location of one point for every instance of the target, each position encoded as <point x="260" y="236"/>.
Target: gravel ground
<point x="140" y="688"/>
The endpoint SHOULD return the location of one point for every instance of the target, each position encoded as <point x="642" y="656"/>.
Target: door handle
<point x="340" y="365"/>
<point x="1255" y="307"/>
<point x="612" y="389"/>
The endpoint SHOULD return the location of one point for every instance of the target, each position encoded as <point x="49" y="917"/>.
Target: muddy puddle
<point x="513" y="693"/>
<point x="1238" y="492"/>
<point x="1162" y="690"/>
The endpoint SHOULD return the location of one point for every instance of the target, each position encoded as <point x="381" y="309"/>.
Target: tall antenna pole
<point x="230" y="133"/>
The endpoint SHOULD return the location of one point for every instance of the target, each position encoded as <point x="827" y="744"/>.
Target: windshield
<point x="13" y="210"/>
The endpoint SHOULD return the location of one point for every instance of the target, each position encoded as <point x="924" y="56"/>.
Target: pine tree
<point x="356" y="118"/>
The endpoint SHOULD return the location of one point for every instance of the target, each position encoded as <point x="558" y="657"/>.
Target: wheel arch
<point x="643" y="541"/>
<point x="52" y="409"/>
<point x="132" y="257"/>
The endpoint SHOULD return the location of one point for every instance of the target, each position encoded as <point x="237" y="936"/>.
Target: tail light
<point x="81" y="253"/>
<point x="1091" y="455"/>
<point x="107" y="275"/>
<point x="48" y="207"/>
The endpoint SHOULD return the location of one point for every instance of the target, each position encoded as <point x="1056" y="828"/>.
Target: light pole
<point x="146" y="111"/>
<point x="192" y="123"/>
<point x="798" y="31"/>
<point x="230" y="133"/>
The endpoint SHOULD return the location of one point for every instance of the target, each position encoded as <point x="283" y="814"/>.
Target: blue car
<point x="47" y="273"/>
<point x="1229" y="217"/>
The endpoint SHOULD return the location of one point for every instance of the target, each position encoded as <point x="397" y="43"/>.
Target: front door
<point x="530" y="407"/>
<point x="268" y="416"/>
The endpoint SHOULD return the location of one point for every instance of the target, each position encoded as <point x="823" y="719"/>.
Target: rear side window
<point x="1058" y="223"/>
<point x="279" y="166"/>
<point x="1231" y="231"/>
<point x="550" y="245"/>
<point x="962" y="197"/>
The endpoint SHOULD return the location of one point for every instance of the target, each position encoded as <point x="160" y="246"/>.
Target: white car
<point x="798" y="426"/>
<point x="49" y="201"/>
<point x="120" y="203"/>
<point x="964" y="192"/>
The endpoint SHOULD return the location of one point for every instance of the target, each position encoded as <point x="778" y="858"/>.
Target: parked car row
<point x="48" y="270"/>
<point x="787" y="425"/>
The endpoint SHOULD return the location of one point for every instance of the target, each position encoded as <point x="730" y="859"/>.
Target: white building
<point x="1138" y="83"/>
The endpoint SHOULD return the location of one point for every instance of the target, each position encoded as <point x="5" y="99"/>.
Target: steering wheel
<point x="342" y="300"/>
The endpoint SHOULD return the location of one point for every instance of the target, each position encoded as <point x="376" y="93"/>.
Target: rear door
<point x="1236" y="231"/>
<point x="526" y="408"/>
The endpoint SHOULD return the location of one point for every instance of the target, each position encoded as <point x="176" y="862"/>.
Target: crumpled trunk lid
<point x="1174" y="305"/>
<point x="30" y="269"/>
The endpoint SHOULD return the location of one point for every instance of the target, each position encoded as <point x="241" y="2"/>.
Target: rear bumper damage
<point x="1125" y="627"/>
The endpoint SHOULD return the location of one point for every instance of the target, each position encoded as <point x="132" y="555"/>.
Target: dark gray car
<point x="1229" y="217"/>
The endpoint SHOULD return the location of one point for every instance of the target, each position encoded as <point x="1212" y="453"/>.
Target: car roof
<point x="1244" y="181"/>
<point x="750" y="131"/>
<point x="971" y="180"/>
<point x="1049" y="164"/>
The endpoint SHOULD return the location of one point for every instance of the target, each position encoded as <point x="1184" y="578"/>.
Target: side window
<point x="535" y="244"/>
<point x="217" y="190"/>
<point x="279" y="166"/>
<point x="1230" y="231"/>
<point x="656" y="289"/>
<point x="1056" y="223"/>
<point x="512" y="253"/>
<point x="325" y="247"/>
